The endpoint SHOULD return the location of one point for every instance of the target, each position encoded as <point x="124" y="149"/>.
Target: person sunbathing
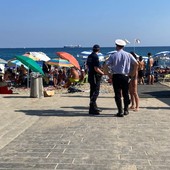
<point x="73" y="77"/>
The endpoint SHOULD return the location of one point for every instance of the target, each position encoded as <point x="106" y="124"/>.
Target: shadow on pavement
<point x="80" y="96"/>
<point x="156" y="108"/>
<point x="16" y="97"/>
<point x="61" y="113"/>
<point x="159" y="91"/>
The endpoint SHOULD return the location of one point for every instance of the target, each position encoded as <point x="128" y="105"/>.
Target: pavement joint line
<point x="73" y="161"/>
<point x="145" y="153"/>
<point x="48" y="155"/>
<point x="131" y="148"/>
<point x="6" y="125"/>
<point x="154" y="140"/>
<point x="54" y="146"/>
<point x="64" y="151"/>
<point x="82" y="140"/>
<point x="56" y="166"/>
<point x="13" y="138"/>
<point x="61" y="135"/>
<point x="149" y="162"/>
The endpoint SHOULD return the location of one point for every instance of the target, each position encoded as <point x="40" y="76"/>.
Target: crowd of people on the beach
<point x="60" y="76"/>
<point x="55" y="76"/>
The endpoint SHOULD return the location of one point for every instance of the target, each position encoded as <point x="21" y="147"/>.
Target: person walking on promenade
<point x="133" y="88"/>
<point x="150" y="69"/>
<point x="120" y="63"/>
<point x="94" y="79"/>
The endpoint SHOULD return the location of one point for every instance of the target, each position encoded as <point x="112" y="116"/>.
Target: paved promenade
<point x="57" y="133"/>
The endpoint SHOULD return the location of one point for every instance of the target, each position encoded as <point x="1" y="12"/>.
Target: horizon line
<point x="83" y="47"/>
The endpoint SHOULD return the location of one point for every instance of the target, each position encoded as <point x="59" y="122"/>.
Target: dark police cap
<point x="96" y="47"/>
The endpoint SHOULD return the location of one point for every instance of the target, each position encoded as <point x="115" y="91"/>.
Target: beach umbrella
<point x="2" y="61"/>
<point x="15" y="63"/>
<point x="111" y="52"/>
<point x="162" y="55"/>
<point x="30" y="63"/>
<point x="84" y="54"/>
<point x="37" y="56"/>
<point x="59" y="62"/>
<point x="108" y="54"/>
<point x="31" y="56"/>
<point x="162" y="59"/>
<point x="70" y="58"/>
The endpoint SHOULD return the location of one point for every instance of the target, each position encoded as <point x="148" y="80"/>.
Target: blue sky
<point x="55" y="23"/>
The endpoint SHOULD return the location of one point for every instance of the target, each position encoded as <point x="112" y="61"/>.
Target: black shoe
<point x="126" y="112"/>
<point x="119" y="114"/>
<point x="93" y="113"/>
<point x="98" y="109"/>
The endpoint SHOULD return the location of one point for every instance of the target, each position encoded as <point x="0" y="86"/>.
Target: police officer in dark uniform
<point x="94" y="78"/>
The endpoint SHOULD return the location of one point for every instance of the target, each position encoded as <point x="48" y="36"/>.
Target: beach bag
<point x="73" y="90"/>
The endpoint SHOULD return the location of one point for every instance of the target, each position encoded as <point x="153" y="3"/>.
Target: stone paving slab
<point x="57" y="133"/>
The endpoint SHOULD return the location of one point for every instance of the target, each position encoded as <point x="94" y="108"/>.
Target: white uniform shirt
<point x="120" y="62"/>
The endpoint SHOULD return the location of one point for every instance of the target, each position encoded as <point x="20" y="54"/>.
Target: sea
<point x="10" y="53"/>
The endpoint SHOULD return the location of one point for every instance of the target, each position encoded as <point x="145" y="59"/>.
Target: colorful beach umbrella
<point x="30" y="63"/>
<point x="70" y="58"/>
<point x="15" y="63"/>
<point x="59" y="62"/>
<point x="37" y="56"/>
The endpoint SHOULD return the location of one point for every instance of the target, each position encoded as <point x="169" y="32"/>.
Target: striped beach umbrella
<point x="162" y="59"/>
<point x="69" y="57"/>
<point x="59" y="62"/>
<point x="2" y="61"/>
<point x="162" y="55"/>
<point x="37" y="56"/>
<point x="84" y="54"/>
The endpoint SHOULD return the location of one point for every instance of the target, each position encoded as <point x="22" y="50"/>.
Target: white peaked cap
<point x="120" y="42"/>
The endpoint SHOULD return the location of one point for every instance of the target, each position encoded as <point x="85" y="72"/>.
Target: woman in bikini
<point x="141" y="70"/>
<point x="133" y="90"/>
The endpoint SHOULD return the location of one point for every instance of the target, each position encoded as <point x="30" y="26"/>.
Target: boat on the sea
<point x="72" y="46"/>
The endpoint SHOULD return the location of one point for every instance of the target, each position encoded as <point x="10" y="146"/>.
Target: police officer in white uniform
<point x="120" y="63"/>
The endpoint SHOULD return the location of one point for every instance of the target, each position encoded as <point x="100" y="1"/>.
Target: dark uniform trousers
<point x="94" y="81"/>
<point x="121" y="87"/>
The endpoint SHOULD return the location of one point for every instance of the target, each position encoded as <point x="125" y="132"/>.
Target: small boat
<point x="72" y="46"/>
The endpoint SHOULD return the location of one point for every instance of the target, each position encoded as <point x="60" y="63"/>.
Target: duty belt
<point x="120" y="74"/>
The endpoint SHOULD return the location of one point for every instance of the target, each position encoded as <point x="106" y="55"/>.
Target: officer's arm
<point x="97" y="69"/>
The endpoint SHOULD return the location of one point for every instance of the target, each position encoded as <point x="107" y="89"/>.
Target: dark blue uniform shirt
<point x="93" y="61"/>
